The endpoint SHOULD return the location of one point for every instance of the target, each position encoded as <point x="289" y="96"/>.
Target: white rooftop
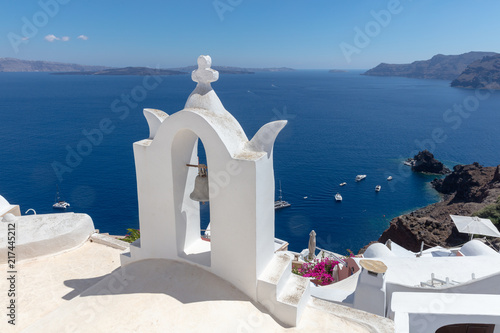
<point x="84" y="290"/>
<point x="80" y="287"/>
<point x="412" y="271"/>
<point x="404" y="268"/>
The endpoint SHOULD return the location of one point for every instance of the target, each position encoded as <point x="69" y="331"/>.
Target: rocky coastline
<point x="481" y="74"/>
<point x="425" y="162"/>
<point x="442" y="67"/>
<point x="468" y="189"/>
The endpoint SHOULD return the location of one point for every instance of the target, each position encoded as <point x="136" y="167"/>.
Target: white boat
<point x="409" y="162"/>
<point x="280" y="203"/>
<point x="60" y="204"/>
<point x="389" y="178"/>
<point x="378" y="188"/>
<point x="360" y="177"/>
<point x="338" y="197"/>
<point x="342" y="184"/>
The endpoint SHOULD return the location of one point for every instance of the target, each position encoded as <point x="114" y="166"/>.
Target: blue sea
<point x="339" y="125"/>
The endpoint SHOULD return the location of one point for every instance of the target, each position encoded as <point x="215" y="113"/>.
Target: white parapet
<point x="44" y="234"/>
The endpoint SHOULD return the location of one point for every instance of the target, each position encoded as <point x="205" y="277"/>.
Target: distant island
<point x="443" y="67"/>
<point x="236" y="70"/>
<point x="18" y="65"/>
<point x="337" y="71"/>
<point x="172" y="71"/>
<point x="481" y="74"/>
<point x="142" y="71"/>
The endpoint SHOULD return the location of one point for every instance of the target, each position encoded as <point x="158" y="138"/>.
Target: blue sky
<point x="319" y="34"/>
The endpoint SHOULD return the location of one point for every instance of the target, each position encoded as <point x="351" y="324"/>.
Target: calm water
<point x="340" y="125"/>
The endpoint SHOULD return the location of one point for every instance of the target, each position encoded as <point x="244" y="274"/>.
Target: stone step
<point x="294" y="289"/>
<point x="109" y="241"/>
<point x="277" y="272"/>
<point x="127" y="257"/>
<point x="293" y="299"/>
<point x="283" y="293"/>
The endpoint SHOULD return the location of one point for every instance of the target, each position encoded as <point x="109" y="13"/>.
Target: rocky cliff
<point x="466" y="190"/>
<point x="444" y="67"/>
<point x="481" y="74"/>
<point x="425" y="162"/>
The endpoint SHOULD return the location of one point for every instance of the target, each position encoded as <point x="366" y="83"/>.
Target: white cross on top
<point x="204" y="74"/>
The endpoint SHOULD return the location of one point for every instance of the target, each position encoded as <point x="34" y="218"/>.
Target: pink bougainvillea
<point x="320" y="270"/>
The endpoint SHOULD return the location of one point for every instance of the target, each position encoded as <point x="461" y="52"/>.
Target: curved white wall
<point x="477" y="248"/>
<point x="39" y="235"/>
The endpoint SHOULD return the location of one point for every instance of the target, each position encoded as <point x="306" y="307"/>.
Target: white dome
<point x="378" y="250"/>
<point x="477" y="248"/>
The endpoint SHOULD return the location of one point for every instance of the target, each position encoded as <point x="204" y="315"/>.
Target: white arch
<point x="241" y="182"/>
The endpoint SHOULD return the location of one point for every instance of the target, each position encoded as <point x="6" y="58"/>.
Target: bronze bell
<point x="200" y="191"/>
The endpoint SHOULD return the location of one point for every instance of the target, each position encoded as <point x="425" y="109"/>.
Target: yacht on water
<point x="342" y="184"/>
<point x="280" y="203"/>
<point x="338" y="197"/>
<point x="60" y="204"/>
<point x="360" y="177"/>
<point x="389" y="178"/>
<point x="378" y="188"/>
<point x="409" y="162"/>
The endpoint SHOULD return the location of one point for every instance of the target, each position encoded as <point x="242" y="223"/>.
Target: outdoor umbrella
<point x="312" y="244"/>
<point x="475" y="225"/>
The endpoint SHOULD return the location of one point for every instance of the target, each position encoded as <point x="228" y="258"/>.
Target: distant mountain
<point x="18" y="65"/>
<point x="236" y="70"/>
<point x="172" y="71"/>
<point x="444" y="67"/>
<point x="273" y="69"/>
<point x="143" y="71"/>
<point x="481" y="74"/>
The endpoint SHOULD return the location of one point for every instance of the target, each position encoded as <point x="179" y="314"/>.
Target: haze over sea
<point x="339" y="125"/>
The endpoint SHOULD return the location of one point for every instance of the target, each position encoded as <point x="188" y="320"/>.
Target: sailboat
<point x="280" y="203"/>
<point x="60" y="204"/>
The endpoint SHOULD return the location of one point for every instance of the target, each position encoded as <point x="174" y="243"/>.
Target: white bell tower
<point x="241" y="189"/>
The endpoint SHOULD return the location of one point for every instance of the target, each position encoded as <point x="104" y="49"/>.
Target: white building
<point x="437" y="290"/>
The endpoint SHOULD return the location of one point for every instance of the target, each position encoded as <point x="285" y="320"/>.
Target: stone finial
<point x="203" y="95"/>
<point x="204" y="74"/>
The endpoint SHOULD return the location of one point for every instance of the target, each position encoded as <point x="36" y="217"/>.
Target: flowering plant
<point x="133" y="235"/>
<point x="321" y="270"/>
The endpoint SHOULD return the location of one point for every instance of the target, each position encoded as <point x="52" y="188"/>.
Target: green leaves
<point x="132" y="236"/>
<point x="491" y="212"/>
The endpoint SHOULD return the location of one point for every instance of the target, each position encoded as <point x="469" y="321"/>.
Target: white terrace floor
<point x="85" y="290"/>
